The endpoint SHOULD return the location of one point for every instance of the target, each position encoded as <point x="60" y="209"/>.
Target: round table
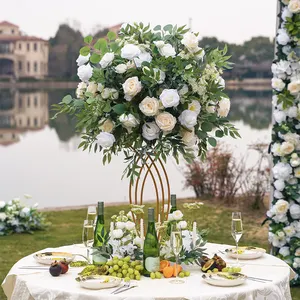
<point x="40" y="285"/>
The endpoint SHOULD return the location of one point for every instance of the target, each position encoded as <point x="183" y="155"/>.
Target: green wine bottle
<point x="151" y="246"/>
<point x="173" y="203"/>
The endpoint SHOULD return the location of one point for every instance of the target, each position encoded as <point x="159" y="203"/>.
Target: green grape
<point x="136" y="272"/>
<point x="116" y="267"/>
<point x="138" y="277"/>
<point x="111" y="270"/>
<point x="130" y="271"/>
<point x="181" y="274"/>
<point x="152" y="275"/>
<point x="215" y="270"/>
<point x="139" y="267"/>
<point x="133" y="263"/>
<point x="120" y="263"/>
<point x="138" y="262"/>
<point x="131" y="276"/>
<point x="127" y="259"/>
<point x="115" y="258"/>
<point x="120" y="275"/>
<point x="187" y="273"/>
<point x="126" y="279"/>
<point x="109" y="263"/>
<point x="125" y="266"/>
<point x="114" y="274"/>
<point x="238" y="269"/>
<point x="124" y="272"/>
<point x="225" y="269"/>
<point x="209" y="271"/>
<point x="158" y="275"/>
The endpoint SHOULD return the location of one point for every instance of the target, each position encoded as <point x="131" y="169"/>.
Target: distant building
<point x="22" y="56"/>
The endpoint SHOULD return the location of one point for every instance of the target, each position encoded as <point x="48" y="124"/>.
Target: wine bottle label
<point x="152" y="264"/>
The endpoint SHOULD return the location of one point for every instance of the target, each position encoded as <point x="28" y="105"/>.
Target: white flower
<point x="210" y="107"/>
<point x="107" y="125"/>
<point x="297" y="172"/>
<point x="276" y="149"/>
<point x="277" y="84"/>
<point x="295" y="162"/>
<point x="3" y="216"/>
<point x="281" y="207"/>
<point x="81" y="88"/>
<point x="129" y="121"/>
<point x="167" y="50"/>
<point x="195" y="106"/>
<point x="295" y="211"/>
<point x="292" y="112"/>
<point x="188" y="119"/>
<point x="105" y="139"/>
<point x="279" y="116"/>
<point x="190" y="41"/>
<point x="287" y="148"/>
<point x="169" y="98"/>
<point x="282" y="37"/>
<point x="144" y="56"/>
<point x="286" y="13"/>
<point x="277" y="194"/>
<point x="223" y="107"/>
<point x="132" y="86"/>
<point x="81" y="60"/>
<point x="177" y="215"/>
<point x="138" y="241"/>
<point x="92" y="87"/>
<point x="281" y="69"/>
<point x="294" y="6"/>
<point x="25" y="212"/>
<point x="85" y="72"/>
<point x="130" y="51"/>
<point x="117" y="233"/>
<point x="188" y="137"/>
<point x="282" y="171"/>
<point x="100" y="87"/>
<point x="289" y="230"/>
<point x="150" y="131"/>
<point x="107" y="59"/>
<point x="120" y="225"/>
<point x="121" y="68"/>
<point x="165" y="121"/>
<point x="294" y="87"/>
<point x="149" y="106"/>
<point x="2" y="204"/>
<point x="129" y="225"/>
<point x="166" y="210"/>
<point x="182" y="225"/>
<point x="279" y="185"/>
<point x="284" y="251"/>
<point x="159" y="44"/>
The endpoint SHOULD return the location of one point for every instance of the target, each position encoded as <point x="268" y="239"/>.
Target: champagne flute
<point x="176" y="245"/>
<point x="91" y="213"/>
<point x="88" y="235"/>
<point x="237" y="231"/>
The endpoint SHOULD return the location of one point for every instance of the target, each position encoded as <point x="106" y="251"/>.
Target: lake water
<point x="39" y="156"/>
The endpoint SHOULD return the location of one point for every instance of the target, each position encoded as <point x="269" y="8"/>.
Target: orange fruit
<point x="168" y="272"/>
<point x="177" y="269"/>
<point x="163" y="264"/>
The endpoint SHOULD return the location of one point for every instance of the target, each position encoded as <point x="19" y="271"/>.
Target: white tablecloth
<point x="40" y="285"/>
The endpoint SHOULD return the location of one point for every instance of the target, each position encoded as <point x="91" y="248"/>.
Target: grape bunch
<point x="125" y="268"/>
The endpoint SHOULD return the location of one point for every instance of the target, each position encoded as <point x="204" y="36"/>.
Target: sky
<point x="233" y="21"/>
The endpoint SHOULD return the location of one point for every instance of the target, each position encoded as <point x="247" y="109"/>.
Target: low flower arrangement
<point x="17" y="218"/>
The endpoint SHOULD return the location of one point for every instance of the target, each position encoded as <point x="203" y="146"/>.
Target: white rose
<point x="105" y="139"/>
<point x="130" y="65"/>
<point x="159" y="44"/>
<point x="169" y="98"/>
<point x="281" y="207"/>
<point x="281" y="69"/>
<point x="279" y="185"/>
<point x="144" y="56"/>
<point x="177" y="215"/>
<point x="279" y="116"/>
<point x="294" y="6"/>
<point x="3" y="216"/>
<point x="121" y="68"/>
<point x="81" y="60"/>
<point x="282" y="171"/>
<point x="129" y="225"/>
<point x="132" y="86"/>
<point x="295" y="211"/>
<point x="223" y="107"/>
<point x="92" y="87"/>
<point x="107" y="125"/>
<point x="2" y="204"/>
<point x="287" y="148"/>
<point x="276" y="149"/>
<point x="130" y="51"/>
<point x="294" y="87"/>
<point x="138" y="241"/>
<point x="150" y="131"/>
<point x="284" y="251"/>
<point x="107" y="59"/>
<point x="105" y="94"/>
<point x="149" y="106"/>
<point x="167" y="50"/>
<point x="195" y="106"/>
<point x="210" y="107"/>
<point x="282" y="37"/>
<point x="278" y="195"/>
<point x="117" y="233"/>
<point x="85" y="72"/>
<point x="129" y="121"/>
<point x="289" y="230"/>
<point x="120" y="225"/>
<point x="297" y="172"/>
<point x="188" y="119"/>
<point x="295" y="162"/>
<point x="286" y="13"/>
<point x="188" y="137"/>
<point x="24" y="212"/>
<point x="292" y="112"/>
<point x="190" y="41"/>
<point x="182" y="225"/>
<point x="165" y="121"/>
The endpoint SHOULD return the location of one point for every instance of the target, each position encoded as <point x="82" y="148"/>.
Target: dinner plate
<point x="98" y="282"/>
<point x="224" y="279"/>
<point x="47" y="258"/>
<point x="246" y="252"/>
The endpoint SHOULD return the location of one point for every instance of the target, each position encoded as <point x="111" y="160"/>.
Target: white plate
<point x="98" y="282"/>
<point x="217" y="279"/>
<point x="47" y="258"/>
<point x="247" y="252"/>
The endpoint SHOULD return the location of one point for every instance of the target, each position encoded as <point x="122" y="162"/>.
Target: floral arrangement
<point x="151" y="91"/>
<point x="284" y="215"/>
<point x="17" y="218"/>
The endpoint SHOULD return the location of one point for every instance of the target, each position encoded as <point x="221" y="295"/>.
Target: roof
<point x="13" y="38"/>
<point x="5" y="23"/>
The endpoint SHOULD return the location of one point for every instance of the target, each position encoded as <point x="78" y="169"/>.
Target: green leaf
<point x="107" y="107"/>
<point x="90" y="100"/>
<point x="157" y="27"/>
<point x="95" y="58"/>
<point x="111" y="35"/>
<point x="212" y="141"/>
<point x="101" y="44"/>
<point x="88" y="39"/>
<point x="84" y="50"/>
<point x="219" y="133"/>
<point x="169" y="28"/>
<point x="67" y="99"/>
<point x="119" y="108"/>
<point x="206" y="126"/>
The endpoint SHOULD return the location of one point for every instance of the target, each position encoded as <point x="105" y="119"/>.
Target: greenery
<point x="66" y="229"/>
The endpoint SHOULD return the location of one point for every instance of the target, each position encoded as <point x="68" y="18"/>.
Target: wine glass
<point x="236" y="231"/>
<point x="88" y="235"/>
<point x="91" y="213"/>
<point x="176" y="246"/>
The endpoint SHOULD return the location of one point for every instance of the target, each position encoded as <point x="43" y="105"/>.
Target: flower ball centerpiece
<point x="150" y="90"/>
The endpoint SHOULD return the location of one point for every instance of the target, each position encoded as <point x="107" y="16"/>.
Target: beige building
<point x="22" y="56"/>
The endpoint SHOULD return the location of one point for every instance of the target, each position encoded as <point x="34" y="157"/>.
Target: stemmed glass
<point x="236" y="231"/>
<point x="91" y="213"/>
<point x="176" y="245"/>
<point x="88" y="235"/>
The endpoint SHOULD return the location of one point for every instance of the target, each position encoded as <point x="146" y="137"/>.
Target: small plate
<point x="224" y="279"/>
<point x="246" y="252"/>
<point x="98" y="282"/>
<point x="47" y="258"/>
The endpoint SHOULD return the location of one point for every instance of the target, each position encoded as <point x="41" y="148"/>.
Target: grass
<point x="67" y="227"/>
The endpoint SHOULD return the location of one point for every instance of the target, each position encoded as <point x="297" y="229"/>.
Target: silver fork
<point x="126" y="285"/>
